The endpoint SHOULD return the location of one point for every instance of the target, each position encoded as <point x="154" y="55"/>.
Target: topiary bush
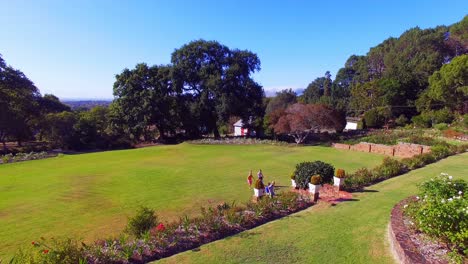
<point x="340" y="173"/>
<point x="305" y="170"/>
<point x="144" y="220"/>
<point x="315" y="180"/>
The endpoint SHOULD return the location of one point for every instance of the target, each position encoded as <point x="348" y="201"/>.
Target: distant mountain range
<point x="86" y="103"/>
<point x="298" y="91"/>
<point x="90" y="103"/>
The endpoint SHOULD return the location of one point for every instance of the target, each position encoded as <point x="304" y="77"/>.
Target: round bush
<point x="305" y="170"/>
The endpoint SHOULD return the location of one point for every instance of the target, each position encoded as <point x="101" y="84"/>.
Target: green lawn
<point x="90" y="196"/>
<point x="351" y="232"/>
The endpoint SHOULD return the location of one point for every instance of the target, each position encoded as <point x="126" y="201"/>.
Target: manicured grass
<point x="91" y="196"/>
<point x="351" y="232"/>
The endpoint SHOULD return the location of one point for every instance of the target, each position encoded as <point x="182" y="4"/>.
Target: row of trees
<point x="423" y="75"/>
<point x="400" y="76"/>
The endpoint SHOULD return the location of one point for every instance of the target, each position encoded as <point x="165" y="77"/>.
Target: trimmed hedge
<point x="392" y="167"/>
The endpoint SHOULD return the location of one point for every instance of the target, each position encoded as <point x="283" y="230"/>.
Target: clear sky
<point x="74" y="48"/>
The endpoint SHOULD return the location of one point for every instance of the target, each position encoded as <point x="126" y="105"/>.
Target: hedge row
<point x="392" y="167"/>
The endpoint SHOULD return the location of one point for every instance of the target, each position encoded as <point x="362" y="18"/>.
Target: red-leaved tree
<point x="299" y="120"/>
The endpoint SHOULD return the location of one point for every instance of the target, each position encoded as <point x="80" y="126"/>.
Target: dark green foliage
<point x="402" y="120"/>
<point x="373" y="118"/>
<point x="422" y="121"/>
<point x="389" y="168"/>
<point x="448" y="87"/>
<point x="305" y="170"/>
<point x="144" y="220"/>
<point x="282" y="100"/>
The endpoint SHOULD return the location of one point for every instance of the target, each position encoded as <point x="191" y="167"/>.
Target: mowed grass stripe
<point x="91" y="195"/>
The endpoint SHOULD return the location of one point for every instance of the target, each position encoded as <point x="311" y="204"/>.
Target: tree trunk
<point x="216" y="133"/>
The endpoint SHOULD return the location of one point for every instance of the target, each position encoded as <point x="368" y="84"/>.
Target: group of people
<point x="269" y="188"/>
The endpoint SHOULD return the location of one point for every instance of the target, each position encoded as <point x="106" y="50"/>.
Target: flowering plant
<point x="441" y="211"/>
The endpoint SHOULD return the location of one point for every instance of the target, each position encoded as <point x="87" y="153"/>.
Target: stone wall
<point x="341" y="146"/>
<point x="403" y="150"/>
<point x="362" y="147"/>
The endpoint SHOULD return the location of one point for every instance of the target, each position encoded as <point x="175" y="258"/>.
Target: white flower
<point x="443" y="201"/>
<point x="444" y="174"/>
<point x="458" y="197"/>
<point x="449" y="199"/>
<point x="417" y="197"/>
<point x="450" y="177"/>
<point x="460" y="192"/>
<point x="405" y="206"/>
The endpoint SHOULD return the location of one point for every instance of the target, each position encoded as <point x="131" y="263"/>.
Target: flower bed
<point x="441" y="212"/>
<point x="165" y="239"/>
<point x="9" y="158"/>
<point x="239" y="141"/>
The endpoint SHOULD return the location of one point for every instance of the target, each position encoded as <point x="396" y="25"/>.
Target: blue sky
<point x="73" y="49"/>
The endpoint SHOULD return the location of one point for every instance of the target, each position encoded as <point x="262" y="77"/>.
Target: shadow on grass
<point x="367" y="191"/>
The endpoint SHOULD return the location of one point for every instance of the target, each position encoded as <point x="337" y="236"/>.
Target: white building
<point x="240" y="131"/>
<point x="352" y="123"/>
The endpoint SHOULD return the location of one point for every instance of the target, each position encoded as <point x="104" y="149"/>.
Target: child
<point x="250" y="179"/>
<point x="271" y="188"/>
<point x="267" y="189"/>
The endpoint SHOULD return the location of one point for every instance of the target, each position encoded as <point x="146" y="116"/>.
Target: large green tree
<point x="145" y="97"/>
<point x="18" y="104"/>
<point x="218" y="81"/>
<point x="448" y="87"/>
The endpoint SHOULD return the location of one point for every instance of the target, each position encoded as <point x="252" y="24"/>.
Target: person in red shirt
<point x="250" y="179"/>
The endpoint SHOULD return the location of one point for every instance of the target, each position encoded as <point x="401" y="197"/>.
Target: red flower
<point x="45" y="251"/>
<point x="33" y="243"/>
<point x="161" y="227"/>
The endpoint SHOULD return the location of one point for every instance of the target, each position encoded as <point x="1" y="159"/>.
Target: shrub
<point x="440" y="151"/>
<point x="441" y="210"/>
<point x="441" y="126"/>
<point x="401" y="120"/>
<point x="259" y="184"/>
<point x="358" y="179"/>
<point x="66" y="251"/>
<point x="305" y="170"/>
<point x="144" y="220"/>
<point x="422" y="120"/>
<point x="315" y="179"/>
<point x="389" y="168"/>
<point x="340" y="173"/>
<point x="373" y="118"/>
<point x="443" y="116"/>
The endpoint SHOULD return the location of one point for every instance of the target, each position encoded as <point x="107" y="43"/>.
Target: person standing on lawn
<point x="250" y="178"/>
<point x="260" y="175"/>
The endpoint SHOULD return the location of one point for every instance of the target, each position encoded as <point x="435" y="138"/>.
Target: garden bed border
<point x="403" y="248"/>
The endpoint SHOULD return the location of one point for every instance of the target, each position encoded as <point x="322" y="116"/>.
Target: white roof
<point x="239" y="123"/>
